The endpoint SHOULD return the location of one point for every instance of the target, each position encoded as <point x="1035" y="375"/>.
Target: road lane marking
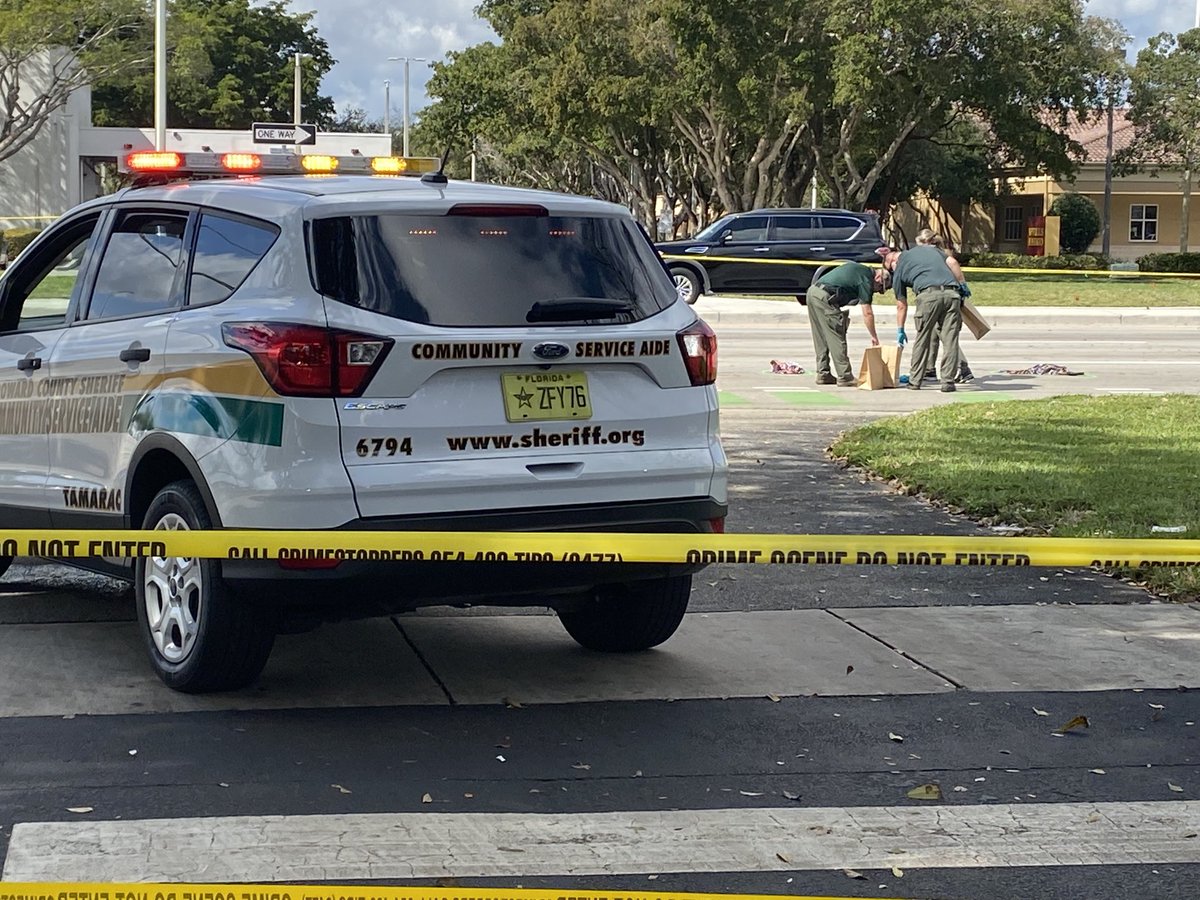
<point x="397" y="846"/>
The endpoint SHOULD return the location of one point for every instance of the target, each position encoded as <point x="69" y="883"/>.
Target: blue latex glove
<point x="964" y="289"/>
<point x="901" y="337"/>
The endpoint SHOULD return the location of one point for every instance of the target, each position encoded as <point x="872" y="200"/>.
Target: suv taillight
<point x="307" y="360"/>
<point x="699" y="345"/>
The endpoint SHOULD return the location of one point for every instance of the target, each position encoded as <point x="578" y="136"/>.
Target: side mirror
<point x="727" y="236"/>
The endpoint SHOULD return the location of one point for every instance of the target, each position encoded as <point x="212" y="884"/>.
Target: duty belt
<point x="937" y="287"/>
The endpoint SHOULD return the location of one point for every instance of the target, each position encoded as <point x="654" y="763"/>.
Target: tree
<point x="230" y="64"/>
<point x="51" y="48"/>
<point x="724" y="105"/>
<point x="1164" y="106"/>
<point x="1080" y="222"/>
<point x="355" y="119"/>
<point x="903" y="71"/>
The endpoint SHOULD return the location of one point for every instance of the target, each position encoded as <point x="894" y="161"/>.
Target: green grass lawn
<point x="55" y="286"/>
<point x="1073" y="290"/>
<point x="1066" y="466"/>
<point x="1091" y="290"/>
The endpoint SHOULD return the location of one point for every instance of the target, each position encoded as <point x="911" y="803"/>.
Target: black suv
<point x="728" y="256"/>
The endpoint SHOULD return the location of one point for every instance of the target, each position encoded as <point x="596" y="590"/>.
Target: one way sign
<point x="269" y="133"/>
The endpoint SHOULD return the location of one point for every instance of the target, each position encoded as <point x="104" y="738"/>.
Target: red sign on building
<point x="1035" y="236"/>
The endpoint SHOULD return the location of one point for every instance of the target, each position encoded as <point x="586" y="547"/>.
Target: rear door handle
<point x="761" y="249"/>
<point x="29" y="363"/>
<point x="816" y="248"/>
<point x="135" y="354"/>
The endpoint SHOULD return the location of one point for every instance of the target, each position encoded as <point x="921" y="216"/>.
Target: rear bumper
<point x="367" y="588"/>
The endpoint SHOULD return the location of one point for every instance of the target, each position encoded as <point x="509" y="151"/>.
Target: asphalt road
<point x="816" y="696"/>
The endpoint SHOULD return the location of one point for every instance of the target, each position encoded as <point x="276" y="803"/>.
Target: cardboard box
<point x="973" y="320"/>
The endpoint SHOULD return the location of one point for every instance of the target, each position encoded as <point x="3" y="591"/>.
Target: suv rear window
<point x="491" y="270"/>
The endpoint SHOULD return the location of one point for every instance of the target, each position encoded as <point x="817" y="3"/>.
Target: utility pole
<point x="1106" y="244"/>
<point x="160" y="75"/>
<point x="296" y="105"/>
<point x="387" y="107"/>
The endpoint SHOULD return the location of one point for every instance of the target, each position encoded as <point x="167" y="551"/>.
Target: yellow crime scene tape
<point x="608" y="547"/>
<point x="1095" y="273"/>
<point x="65" y="891"/>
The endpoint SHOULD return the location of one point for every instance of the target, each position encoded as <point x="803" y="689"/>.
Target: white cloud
<point x="1145" y="18"/>
<point x="362" y="34"/>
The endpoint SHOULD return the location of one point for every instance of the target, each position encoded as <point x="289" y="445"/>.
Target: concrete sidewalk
<point x="751" y="311"/>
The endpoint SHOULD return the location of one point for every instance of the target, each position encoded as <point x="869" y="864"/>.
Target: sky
<point x="362" y="34"/>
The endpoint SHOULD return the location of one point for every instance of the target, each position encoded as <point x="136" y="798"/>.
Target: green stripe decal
<point x="209" y="415"/>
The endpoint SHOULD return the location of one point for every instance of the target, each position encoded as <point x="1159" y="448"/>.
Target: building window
<point x="1143" y="222"/>
<point x="1014" y="223"/>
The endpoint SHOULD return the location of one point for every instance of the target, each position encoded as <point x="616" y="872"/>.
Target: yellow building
<point x="1146" y="207"/>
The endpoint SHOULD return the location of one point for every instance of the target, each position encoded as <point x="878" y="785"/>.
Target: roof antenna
<point x="439" y="176"/>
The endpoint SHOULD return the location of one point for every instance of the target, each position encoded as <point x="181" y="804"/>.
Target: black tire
<point x="687" y="284"/>
<point x="5" y="562"/>
<point x="226" y="643"/>
<point x="626" y="618"/>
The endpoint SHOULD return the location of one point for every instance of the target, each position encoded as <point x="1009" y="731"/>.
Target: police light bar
<point x="185" y="165"/>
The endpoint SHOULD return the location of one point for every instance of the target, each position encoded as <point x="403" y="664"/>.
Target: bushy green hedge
<point x="1169" y="262"/>
<point x="17" y="239"/>
<point x="1079" y="222"/>
<point x="1084" y="262"/>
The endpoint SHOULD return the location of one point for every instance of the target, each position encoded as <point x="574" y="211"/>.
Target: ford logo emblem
<point x="551" y="350"/>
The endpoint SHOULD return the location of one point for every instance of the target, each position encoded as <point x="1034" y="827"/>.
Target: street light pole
<point x="405" y="106"/>
<point x="160" y="75"/>
<point x="406" y="60"/>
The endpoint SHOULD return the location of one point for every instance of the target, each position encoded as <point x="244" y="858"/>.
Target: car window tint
<point x="795" y="228"/>
<point x="44" y="284"/>
<point x="467" y="270"/>
<point x="227" y="250"/>
<point x="839" y="228"/>
<point x="137" y="273"/>
<point x="749" y="228"/>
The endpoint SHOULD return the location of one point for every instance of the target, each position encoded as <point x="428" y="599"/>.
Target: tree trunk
<point x="1187" y="203"/>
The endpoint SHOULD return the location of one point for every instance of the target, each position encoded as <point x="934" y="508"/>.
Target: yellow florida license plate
<point x="538" y="396"/>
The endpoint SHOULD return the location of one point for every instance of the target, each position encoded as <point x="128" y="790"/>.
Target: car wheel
<point x="200" y="637"/>
<point x="5" y="562"/>
<point x="687" y="285"/>
<point x="630" y="617"/>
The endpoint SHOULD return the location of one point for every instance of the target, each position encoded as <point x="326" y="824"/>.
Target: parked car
<point x="753" y="252"/>
<point x="355" y="352"/>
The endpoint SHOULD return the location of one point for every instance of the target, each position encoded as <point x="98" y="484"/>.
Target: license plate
<point x="540" y="396"/>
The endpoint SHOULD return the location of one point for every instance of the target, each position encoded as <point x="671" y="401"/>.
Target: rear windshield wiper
<point x="573" y="309"/>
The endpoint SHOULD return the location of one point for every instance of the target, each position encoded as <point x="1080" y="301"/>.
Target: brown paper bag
<point x="880" y="368"/>
<point x="892" y="354"/>
<point x="973" y="320"/>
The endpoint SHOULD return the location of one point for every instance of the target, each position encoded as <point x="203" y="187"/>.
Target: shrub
<point x="1084" y="262"/>
<point x="1169" y="262"/>
<point x="17" y="239"/>
<point x="1080" y="222"/>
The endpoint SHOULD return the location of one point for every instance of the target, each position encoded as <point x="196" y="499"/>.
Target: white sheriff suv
<point x="354" y="351"/>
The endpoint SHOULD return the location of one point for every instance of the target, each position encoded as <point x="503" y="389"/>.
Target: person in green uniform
<point x="928" y="236"/>
<point x="830" y="296"/>
<point x="939" y="310"/>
